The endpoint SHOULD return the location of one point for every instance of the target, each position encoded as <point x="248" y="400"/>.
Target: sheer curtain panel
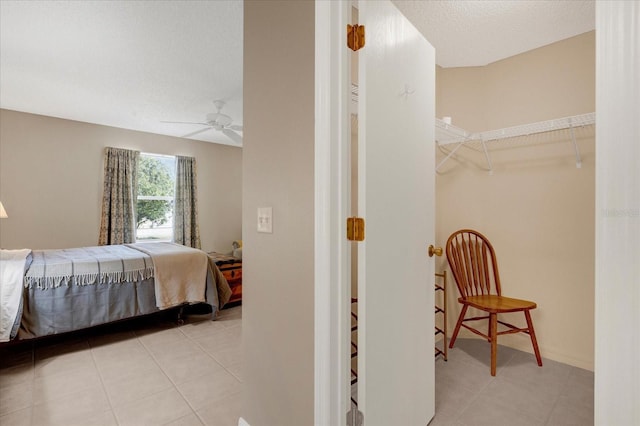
<point x="185" y="222"/>
<point x="118" y="222"/>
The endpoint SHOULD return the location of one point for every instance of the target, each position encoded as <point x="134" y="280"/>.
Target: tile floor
<point x="129" y="373"/>
<point x="521" y="393"/>
<point x="149" y="371"/>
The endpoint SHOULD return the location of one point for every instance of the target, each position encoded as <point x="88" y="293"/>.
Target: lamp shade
<point x="3" y="212"/>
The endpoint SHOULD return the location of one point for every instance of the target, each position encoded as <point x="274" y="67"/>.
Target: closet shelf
<point x="447" y="134"/>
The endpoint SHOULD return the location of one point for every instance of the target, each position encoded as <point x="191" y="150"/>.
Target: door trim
<point x="332" y="201"/>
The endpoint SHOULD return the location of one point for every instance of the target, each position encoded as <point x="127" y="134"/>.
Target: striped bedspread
<point x="87" y="265"/>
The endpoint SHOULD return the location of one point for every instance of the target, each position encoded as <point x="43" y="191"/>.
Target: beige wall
<point x="278" y="172"/>
<point x="537" y="208"/>
<point x="51" y="175"/>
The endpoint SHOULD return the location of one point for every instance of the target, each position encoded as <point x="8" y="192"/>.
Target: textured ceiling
<point x="129" y="64"/>
<point x="473" y="33"/>
<point x="133" y="64"/>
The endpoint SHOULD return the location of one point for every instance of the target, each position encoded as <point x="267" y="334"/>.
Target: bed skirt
<point x="75" y="307"/>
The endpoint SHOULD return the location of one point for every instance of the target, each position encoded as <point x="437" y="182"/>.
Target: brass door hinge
<point x="355" y="229"/>
<point x="355" y="37"/>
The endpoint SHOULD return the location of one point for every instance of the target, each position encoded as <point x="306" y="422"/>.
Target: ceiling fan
<point x="217" y="121"/>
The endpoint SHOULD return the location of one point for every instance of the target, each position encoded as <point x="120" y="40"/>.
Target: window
<point x="154" y="208"/>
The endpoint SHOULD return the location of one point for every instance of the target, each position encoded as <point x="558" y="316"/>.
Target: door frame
<point x="329" y="395"/>
<point x="332" y="205"/>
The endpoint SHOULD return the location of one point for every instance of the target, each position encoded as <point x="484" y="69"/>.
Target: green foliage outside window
<point x="154" y="179"/>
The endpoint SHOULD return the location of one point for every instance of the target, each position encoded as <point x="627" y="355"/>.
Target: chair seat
<point x="496" y="304"/>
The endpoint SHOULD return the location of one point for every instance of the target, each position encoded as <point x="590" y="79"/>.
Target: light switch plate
<point x="265" y="220"/>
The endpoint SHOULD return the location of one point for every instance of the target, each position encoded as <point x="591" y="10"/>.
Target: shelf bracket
<point x="575" y="145"/>
<point x="488" y="157"/>
<point x="444" y="160"/>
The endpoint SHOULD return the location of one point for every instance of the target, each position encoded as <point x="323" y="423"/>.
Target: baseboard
<point x="242" y="422"/>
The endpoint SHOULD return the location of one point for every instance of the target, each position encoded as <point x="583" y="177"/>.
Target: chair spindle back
<point x="473" y="263"/>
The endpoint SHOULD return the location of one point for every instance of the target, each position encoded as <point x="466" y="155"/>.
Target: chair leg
<point x="458" y="324"/>
<point x="493" y="335"/>
<point x="532" y="333"/>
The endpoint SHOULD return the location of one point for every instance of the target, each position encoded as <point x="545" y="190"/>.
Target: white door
<point x="396" y="110"/>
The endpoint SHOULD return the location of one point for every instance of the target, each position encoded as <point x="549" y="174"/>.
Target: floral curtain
<point x="185" y="219"/>
<point x="118" y="222"/>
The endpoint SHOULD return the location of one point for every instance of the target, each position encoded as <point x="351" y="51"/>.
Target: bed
<point x="45" y="292"/>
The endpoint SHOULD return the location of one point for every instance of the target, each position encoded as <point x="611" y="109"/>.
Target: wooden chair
<point x="475" y="269"/>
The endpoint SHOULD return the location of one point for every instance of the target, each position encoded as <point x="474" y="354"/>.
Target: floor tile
<point x="568" y="413"/>
<point x="158" y="409"/>
<point x="551" y="378"/>
<point x="57" y="346"/>
<point x="17" y="418"/>
<point x="520" y="393"/>
<point x="105" y="339"/>
<point x="179" y="350"/>
<point x="137" y="385"/>
<point x="494" y="412"/>
<point x="185" y="369"/>
<point x="104" y="349"/>
<point x="224" y="412"/>
<point x="16" y="397"/>
<point x="229" y="338"/>
<point x="579" y="388"/>
<point x="437" y="421"/>
<point x="160" y="336"/>
<point x="232" y="321"/>
<point x="105" y="418"/>
<point x="75" y="409"/>
<point x="225" y="347"/>
<point x="450" y="403"/>
<point x="235" y="311"/>
<point x="121" y="365"/>
<point x="16" y="374"/>
<point x="462" y="375"/>
<point x="236" y="370"/>
<point x="227" y="358"/>
<point x="56" y="386"/>
<point x="200" y="329"/>
<point x="189" y="420"/>
<point x="206" y="390"/>
<point x="529" y="401"/>
<point x="151" y="372"/>
<point x="61" y="362"/>
<point x="479" y="351"/>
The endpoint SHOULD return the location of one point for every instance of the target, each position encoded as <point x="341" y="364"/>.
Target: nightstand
<point x="231" y="268"/>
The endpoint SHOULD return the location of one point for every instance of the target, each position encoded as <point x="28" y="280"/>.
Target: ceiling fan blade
<point x="184" y="122"/>
<point x="236" y="127"/>
<point x="188" y="135"/>
<point x="232" y="135"/>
